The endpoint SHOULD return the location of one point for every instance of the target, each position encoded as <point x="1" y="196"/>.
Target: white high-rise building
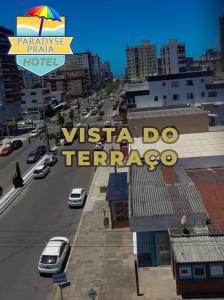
<point x="141" y="61"/>
<point x="173" y="57"/>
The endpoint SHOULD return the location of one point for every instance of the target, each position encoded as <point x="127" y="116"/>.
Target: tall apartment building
<point x="90" y="62"/>
<point x="106" y="73"/>
<point x="10" y="93"/>
<point x="221" y="22"/>
<point x="141" y="61"/>
<point x="173" y="57"/>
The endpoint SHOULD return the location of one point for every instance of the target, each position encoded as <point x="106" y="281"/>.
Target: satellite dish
<point x="183" y="220"/>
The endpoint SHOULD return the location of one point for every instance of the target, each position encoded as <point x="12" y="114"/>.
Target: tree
<point x="17" y="178"/>
<point x="71" y="114"/>
<point x="60" y="118"/>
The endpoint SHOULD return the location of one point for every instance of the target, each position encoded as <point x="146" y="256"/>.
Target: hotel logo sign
<point x="40" y="45"/>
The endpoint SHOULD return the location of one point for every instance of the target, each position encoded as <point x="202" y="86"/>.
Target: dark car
<point x="60" y="135"/>
<point x="68" y="125"/>
<point x="16" y="144"/>
<point x="41" y="149"/>
<point x="50" y="160"/>
<point x="33" y="157"/>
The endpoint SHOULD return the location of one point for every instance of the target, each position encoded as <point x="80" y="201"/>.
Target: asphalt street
<point x="39" y="213"/>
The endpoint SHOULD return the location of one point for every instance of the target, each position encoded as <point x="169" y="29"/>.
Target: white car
<point x="50" y="160"/>
<point x="41" y="171"/>
<point x="99" y="146"/>
<point x="107" y="124"/>
<point x="84" y="112"/>
<point x="77" y="198"/>
<point x="54" y="254"/>
<point x="34" y="133"/>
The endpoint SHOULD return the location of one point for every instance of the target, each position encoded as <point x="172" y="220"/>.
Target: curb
<point x="84" y="211"/>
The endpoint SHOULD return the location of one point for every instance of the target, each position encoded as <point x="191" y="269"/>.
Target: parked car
<point x="41" y="171"/>
<point x="40" y="129"/>
<point x="107" y="124"/>
<point x="101" y="113"/>
<point x="84" y="112"/>
<point x="33" y="157"/>
<point x="16" y="144"/>
<point x="53" y="256"/>
<point x="77" y="197"/>
<point x="68" y="125"/>
<point x="54" y="150"/>
<point x="6" y="150"/>
<point x="50" y="160"/>
<point x="60" y="135"/>
<point x="42" y="149"/>
<point x="21" y="124"/>
<point x="99" y="146"/>
<point x="99" y="118"/>
<point x="34" y="133"/>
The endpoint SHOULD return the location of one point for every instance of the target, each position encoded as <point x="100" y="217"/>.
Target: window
<point x="212" y="94"/>
<point x="156" y="98"/>
<point x="174" y="83"/>
<point x="34" y="101"/>
<point x="164" y="83"/>
<point x="185" y="272"/>
<point x="216" y="270"/>
<point x="190" y="96"/>
<point x="199" y="272"/>
<point x="62" y="249"/>
<point x="164" y="97"/>
<point x="190" y="82"/>
<point x="202" y="94"/>
<point x="23" y="102"/>
<point x="176" y="97"/>
<point x="33" y="93"/>
<point x="202" y="80"/>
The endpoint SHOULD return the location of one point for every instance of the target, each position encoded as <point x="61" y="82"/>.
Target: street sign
<point x="92" y="294"/>
<point x="59" y="278"/>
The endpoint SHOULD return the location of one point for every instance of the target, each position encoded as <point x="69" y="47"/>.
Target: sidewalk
<point x="103" y="259"/>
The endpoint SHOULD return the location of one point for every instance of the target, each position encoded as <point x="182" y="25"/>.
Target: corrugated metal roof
<point x="151" y="196"/>
<point x="198" y="248"/>
<point x="166" y="113"/>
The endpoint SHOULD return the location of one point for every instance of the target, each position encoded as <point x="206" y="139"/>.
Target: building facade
<point x="34" y="101"/>
<point x="10" y="93"/>
<point x="189" y="88"/>
<point x="173" y="57"/>
<point x="141" y="61"/>
<point x="222" y="41"/>
<point x="106" y="73"/>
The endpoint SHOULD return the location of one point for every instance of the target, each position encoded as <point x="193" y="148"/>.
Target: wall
<point x="184" y="123"/>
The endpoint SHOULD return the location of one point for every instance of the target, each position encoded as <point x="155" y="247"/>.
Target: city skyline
<point x="107" y="27"/>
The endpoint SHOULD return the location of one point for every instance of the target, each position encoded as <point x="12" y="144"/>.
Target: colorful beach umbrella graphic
<point x="44" y="12"/>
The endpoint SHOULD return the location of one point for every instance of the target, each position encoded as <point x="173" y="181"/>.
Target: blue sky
<point x="108" y="26"/>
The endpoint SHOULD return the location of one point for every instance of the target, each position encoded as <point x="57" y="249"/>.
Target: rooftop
<point x="163" y="192"/>
<point x="198" y="249"/>
<point x="180" y="75"/>
<point x="165" y="113"/>
<point x="138" y="86"/>
<point x="210" y="184"/>
<point x="117" y="187"/>
<point x="203" y="144"/>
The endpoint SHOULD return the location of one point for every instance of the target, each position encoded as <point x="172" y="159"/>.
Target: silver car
<point x="41" y="171"/>
<point x="53" y="256"/>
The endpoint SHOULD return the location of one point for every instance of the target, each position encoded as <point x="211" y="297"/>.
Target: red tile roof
<point x="210" y="184"/>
